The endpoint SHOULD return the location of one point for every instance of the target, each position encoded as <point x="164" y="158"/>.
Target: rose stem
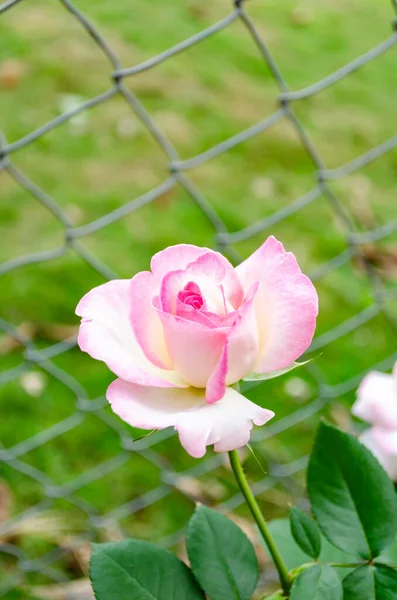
<point x="260" y="520"/>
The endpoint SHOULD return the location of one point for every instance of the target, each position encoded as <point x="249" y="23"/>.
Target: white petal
<point x="377" y="400"/>
<point x="286" y="305"/>
<point x="386" y="459"/>
<point x="226" y="423"/>
<point x="106" y="334"/>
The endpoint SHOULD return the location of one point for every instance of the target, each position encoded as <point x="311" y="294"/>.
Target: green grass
<point x="198" y="98"/>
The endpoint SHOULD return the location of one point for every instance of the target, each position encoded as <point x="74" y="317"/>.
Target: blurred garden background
<point x="61" y="486"/>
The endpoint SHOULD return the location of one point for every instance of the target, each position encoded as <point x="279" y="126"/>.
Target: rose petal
<point x="145" y="321"/>
<point x="377" y="400"/>
<point x="286" y="305"/>
<point x="216" y="386"/>
<point x="194" y="348"/>
<point x="199" y="316"/>
<point x="243" y="340"/>
<point x="388" y="461"/>
<point x="239" y="352"/>
<point x="106" y="334"/>
<point x="253" y="268"/>
<point x="175" y="258"/>
<point x="217" y="280"/>
<point x="215" y="266"/>
<point x="226" y="424"/>
<point x="385" y="440"/>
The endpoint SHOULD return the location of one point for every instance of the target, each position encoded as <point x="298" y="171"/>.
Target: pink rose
<point x="377" y="404"/>
<point x="180" y="335"/>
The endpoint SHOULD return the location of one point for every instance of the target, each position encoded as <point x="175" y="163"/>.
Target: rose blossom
<point x="180" y="335"/>
<point x="377" y="404"/>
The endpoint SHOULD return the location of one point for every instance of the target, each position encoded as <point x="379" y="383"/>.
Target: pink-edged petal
<point x="213" y="275"/>
<point x="204" y="317"/>
<point x="377" y="400"/>
<point x="179" y="257"/>
<point x="387" y="460"/>
<point x="385" y="439"/>
<point x="175" y="258"/>
<point x="215" y="267"/>
<point x="239" y="352"/>
<point x="243" y="340"/>
<point x="252" y="269"/>
<point x="149" y="407"/>
<point x="226" y="424"/>
<point x="145" y="321"/>
<point x="210" y="264"/>
<point x="216" y="386"/>
<point x="106" y="334"/>
<point x="171" y="285"/>
<point x="194" y="348"/>
<point x="209" y="284"/>
<point x="286" y="305"/>
<point x="199" y="316"/>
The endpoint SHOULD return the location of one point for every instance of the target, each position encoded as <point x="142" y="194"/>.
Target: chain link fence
<point x="49" y="563"/>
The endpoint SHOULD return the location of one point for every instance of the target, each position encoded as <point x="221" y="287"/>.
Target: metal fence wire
<point x="49" y="563"/>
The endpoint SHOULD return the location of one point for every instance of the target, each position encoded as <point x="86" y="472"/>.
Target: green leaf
<point x="136" y="570"/>
<point x="390" y="555"/>
<point x="293" y="555"/>
<point x="222" y="557"/>
<point x="371" y="582"/>
<point x="319" y="582"/>
<point x="274" y="374"/>
<point x="352" y="498"/>
<point x="305" y="532"/>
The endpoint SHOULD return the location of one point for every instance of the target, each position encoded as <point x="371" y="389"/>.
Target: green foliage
<point x="222" y="557"/>
<point x="136" y="570"/>
<point x="223" y="560"/>
<point x="319" y="582"/>
<point x="291" y="553"/>
<point x="371" y="582"/>
<point x="355" y="505"/>
<point x="390" y="555"/>
<point x="293" y="556"/>
<point x="305" y="533"/>
<point x="352" y="498"/>
<point x="274" y="374"/>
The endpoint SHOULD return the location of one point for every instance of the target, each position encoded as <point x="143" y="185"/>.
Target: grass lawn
<point x="106" y="158"/>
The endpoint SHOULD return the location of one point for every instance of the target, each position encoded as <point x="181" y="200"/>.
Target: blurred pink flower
<point x="377" y="404"/>
<point x="180" y="335"/>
